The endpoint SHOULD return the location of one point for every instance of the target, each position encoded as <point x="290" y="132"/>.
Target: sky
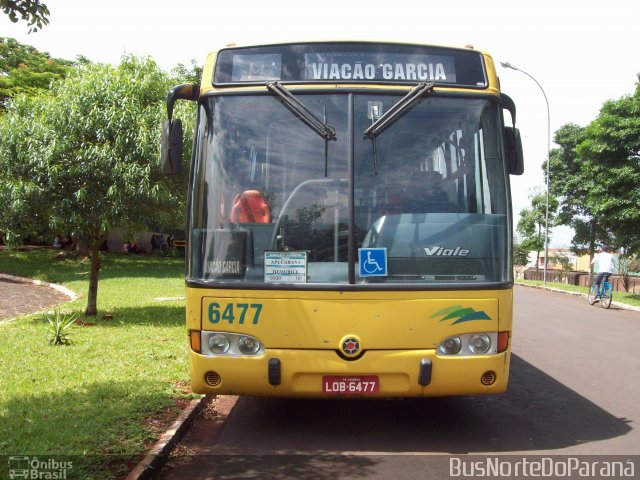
<point x="581" y="52"/>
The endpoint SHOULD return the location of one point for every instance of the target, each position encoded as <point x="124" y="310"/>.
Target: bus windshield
<point x="273" y="202"/>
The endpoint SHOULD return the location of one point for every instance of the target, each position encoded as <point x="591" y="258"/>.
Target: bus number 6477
<point x="231" y="312"/>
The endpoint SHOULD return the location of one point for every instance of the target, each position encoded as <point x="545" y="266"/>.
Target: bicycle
<point x="604" y="294"/>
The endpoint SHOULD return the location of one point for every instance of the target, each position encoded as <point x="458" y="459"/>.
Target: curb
<point x="64" y="290"/>
<point x="157" y="456"/>
<point x="622" y="306"/>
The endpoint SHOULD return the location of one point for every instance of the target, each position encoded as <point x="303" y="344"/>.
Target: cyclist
<point x="606" y="265"/>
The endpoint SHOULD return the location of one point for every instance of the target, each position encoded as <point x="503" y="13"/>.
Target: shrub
<point x="59" y="325"/>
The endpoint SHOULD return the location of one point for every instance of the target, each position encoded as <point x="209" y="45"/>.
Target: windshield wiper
<point x="303" y="113"/>
<point x="401" y="107"/>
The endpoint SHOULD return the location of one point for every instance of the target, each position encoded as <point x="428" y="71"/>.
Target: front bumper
<point x="300" y="373"/>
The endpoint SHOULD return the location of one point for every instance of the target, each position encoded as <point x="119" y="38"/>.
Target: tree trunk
<point x="92" y="297"/>
<point x="592" y="245"/>
<point x="538" y="254"/>
<point x="82" y="246"/>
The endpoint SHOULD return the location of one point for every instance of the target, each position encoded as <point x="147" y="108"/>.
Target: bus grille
<point x="212" y="379"/>
<point x="488" y="378"/>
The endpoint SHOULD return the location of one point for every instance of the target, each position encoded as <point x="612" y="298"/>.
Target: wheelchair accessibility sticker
<point x="373" y="262"/>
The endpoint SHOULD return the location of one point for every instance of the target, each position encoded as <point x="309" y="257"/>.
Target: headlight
<point x="451" y="346"/>
<point x="464" y="344"/>
<point x="248" y="345"/>
<point x="219" y="343"/>
<point x="224" y="343"/>
<point x="480" y="343"/>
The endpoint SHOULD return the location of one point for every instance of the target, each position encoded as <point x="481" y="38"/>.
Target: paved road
<point x="574" y="389"/>
<point x="18" y="298"/>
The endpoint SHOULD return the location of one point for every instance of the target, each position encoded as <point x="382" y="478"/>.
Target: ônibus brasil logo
<point x="461" y="314"/>
<point x="33" y="467"/>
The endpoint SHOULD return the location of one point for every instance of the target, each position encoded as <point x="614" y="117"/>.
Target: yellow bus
<point x="349" y="221"/>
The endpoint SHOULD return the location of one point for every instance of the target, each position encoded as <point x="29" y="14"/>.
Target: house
<point x="555" y="254"/>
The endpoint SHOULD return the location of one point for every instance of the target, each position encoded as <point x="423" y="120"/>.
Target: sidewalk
<point x="20" y="296"/>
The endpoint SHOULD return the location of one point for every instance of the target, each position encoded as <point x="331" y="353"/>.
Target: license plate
<point x="356" y="385"/>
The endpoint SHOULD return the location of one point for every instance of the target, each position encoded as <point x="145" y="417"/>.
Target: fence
<point x="579" y="278"/>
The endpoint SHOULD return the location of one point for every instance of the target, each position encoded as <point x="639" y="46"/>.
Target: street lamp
<point x="546" y="220"/>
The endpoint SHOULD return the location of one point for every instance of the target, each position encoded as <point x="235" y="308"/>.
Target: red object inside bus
<point x="250" y="207"/>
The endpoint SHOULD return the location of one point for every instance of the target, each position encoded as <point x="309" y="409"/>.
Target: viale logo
<point x="446" y="252"/>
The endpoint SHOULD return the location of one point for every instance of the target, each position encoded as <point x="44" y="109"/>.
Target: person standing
<point x="156" y="244"/>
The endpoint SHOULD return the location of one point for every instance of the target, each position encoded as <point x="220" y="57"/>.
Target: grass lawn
<point x="622" y="297"/>
<point x="100" y="398"/>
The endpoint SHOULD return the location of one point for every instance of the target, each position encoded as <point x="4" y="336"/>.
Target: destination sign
<point x="350" y="63"/>
<point x="358" y="66"/>
<point x="256" y="67"/>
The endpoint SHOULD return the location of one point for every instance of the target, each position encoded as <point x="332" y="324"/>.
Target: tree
<point x="563" y="260"/>
<point x="520" y="255"/>
<point x="533" y="220"/>
<point x="34" y="12"/>
<point x="624" y="270"/>
<point x="192" y="74"/>
<point x="84" y="157"/>
<point x="24" y="69"/>
<point x="610" y="153"/>
<point x="570" y="183"/>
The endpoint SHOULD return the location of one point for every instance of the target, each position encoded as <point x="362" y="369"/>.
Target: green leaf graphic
<point x="447" y="310"/>
<point x="459" y="313"/>
<point x="462" y="314"/>
<point x="473" y="316"/>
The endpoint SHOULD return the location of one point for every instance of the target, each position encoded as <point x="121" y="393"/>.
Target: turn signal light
<point x="503" y="341"/>
<point x="196" y="346"/>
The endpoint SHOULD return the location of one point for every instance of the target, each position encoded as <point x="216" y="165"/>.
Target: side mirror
<point x="513" y="147"/>
<point x="171" y="147"/>
<point x="172" y="139"/>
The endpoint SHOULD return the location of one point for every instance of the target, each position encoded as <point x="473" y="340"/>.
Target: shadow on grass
<point x="160" y="315"/>
<point x="143" y="266"/>
<point x="98" y="427"/>
<point x="164" y="315"/>
<point x="41" y="264"/>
